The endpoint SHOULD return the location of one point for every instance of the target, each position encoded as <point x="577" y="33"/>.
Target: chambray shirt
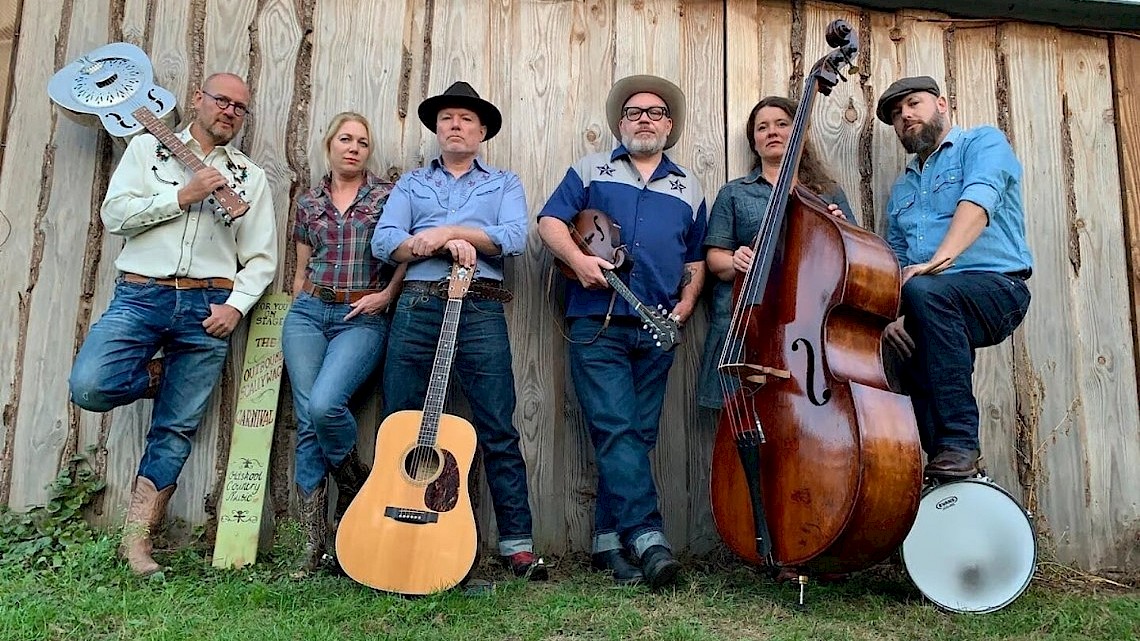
<point x="484" y="197"/>
<point x="663" y="225"/>
<point x="977" y="165"/>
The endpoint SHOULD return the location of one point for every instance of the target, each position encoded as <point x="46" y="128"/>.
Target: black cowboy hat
<point x="461" y="94"/>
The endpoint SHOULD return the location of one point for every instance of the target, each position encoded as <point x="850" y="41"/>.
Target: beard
<point x="643" y="146"/>
<point x="925" y="139"/>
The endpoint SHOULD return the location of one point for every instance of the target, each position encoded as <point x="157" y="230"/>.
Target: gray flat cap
<point x="899" y="89"/>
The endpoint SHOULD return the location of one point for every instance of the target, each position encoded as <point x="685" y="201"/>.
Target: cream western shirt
<point x="164" y="241"/>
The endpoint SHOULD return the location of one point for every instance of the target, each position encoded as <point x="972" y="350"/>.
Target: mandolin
<point x="115" y="85"/>
<point x="596" y="234"/>
<point x="411" y="528"/>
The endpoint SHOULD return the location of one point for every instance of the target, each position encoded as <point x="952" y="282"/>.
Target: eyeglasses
<point x="225" y="103"/>
<point x="633" y="114"/>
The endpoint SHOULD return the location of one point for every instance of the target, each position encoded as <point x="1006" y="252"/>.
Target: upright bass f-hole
<point x="811" y="369"/>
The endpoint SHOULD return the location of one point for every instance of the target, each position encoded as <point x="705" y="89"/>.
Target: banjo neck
<point x="227" y="198"/>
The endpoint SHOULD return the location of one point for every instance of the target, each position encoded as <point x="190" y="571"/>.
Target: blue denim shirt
<point x="977" y="165"/>
<point x="484" y="197"/>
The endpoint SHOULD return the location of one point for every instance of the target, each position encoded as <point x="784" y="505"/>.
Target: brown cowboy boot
<point x="314" y="524"/>
<point x="350" y="476"/>
<point x="148" y="507"/>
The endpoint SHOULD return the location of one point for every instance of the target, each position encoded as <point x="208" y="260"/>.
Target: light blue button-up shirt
<point x="485" y="197"/>
<point x="977" y="165"/>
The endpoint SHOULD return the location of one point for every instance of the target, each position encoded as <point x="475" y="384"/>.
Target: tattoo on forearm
<point x="687" y="277"/>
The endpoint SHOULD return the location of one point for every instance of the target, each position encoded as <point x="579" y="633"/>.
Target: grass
<point x="95" y="597"/>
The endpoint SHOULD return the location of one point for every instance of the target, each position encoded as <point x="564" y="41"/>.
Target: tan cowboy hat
<point x="667" y="91"/>
<point x="461" y="94"/>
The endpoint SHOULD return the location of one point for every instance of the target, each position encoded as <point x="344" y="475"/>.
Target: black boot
<point x="314" y="525"/>
<point x="618" y="564"/>
<point x="350" y="476"/>
<point x="659" y="566"/>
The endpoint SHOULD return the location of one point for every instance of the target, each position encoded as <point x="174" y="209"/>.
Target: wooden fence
<point x="1059" y="400"/>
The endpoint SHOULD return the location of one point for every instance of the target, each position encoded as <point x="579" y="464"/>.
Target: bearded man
<point x="956" y="222"/>
<point x="619" y="371"/>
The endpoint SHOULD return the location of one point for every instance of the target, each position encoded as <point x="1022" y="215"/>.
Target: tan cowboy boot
<point x="314" y="524"/>
<point x="148" y="507"/>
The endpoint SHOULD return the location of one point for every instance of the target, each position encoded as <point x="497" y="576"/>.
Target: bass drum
<point x="972" y="547"/>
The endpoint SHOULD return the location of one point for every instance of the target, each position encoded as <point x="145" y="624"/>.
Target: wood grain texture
<point x="1057" y="400"/>
<point x="972" y="70"/>
<point x="1105" y="513"/>
<point x="24" y="197"/>
<point x="1058" y="419"/>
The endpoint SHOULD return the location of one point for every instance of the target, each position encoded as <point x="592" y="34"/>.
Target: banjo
<point x="114" y="86"/>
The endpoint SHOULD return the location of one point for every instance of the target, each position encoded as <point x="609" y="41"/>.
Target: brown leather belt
<point x="179" y="282"/>
<point x="330" y="295"/>
<point x="484" y="288"/>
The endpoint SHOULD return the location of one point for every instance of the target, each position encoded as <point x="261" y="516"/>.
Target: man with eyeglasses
<point x="187" y="276"/>
<point x="619" y="371"/>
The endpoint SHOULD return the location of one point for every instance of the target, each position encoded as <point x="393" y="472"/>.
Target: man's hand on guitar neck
<point x="205" y="182"/>
<point x="588" y="270"/>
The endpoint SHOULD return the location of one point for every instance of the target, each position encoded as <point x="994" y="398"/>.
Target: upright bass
<point x="816" y="464"/>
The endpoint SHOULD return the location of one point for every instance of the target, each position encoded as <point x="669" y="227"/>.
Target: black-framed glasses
<point x="224" y="103"/>
<point x="633" y="114"/>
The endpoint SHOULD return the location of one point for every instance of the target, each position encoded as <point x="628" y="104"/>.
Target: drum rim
<point x="988" y="482"/>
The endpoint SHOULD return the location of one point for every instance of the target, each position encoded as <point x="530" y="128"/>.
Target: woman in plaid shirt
<point x="336" y="330"/>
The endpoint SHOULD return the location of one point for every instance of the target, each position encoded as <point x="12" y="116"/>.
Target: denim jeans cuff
<point x="648" y="539"/>
<point x="508" y="547"/>
<point x="605" y="541"/>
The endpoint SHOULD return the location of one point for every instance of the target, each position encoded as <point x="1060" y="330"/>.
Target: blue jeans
<point x="620" y="378"/>
<point x="949" y="316"/>
<point x="483" y="367"/>
<point x="110" y="369"/>
<point x="328" y="359"/>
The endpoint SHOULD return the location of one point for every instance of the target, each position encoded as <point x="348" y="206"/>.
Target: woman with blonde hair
<point x="337" y="328"/>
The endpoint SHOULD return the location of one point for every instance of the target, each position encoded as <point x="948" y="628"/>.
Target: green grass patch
<point x="93" y="596"/>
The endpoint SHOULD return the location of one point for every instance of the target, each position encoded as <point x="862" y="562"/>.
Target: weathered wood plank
<point x="885" y="63"/>
<point x="837" y="120"/>
<point x="25" y="187"/>
<point x="759" y="62"/>
<point x="1125" y="62"/>
<point x="9" y="21"/>
<point x="1048" y="394"/>
<point x="1107" y="515"/>
<point x="44" y="430"/>
<point x="972" y="76"/>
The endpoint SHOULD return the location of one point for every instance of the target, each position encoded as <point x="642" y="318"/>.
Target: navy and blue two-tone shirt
<point x="663" y="224"/>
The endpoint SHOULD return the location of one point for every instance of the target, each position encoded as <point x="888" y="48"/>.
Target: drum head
<point x="972" y="547"/>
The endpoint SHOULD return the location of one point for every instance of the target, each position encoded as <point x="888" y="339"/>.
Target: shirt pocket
<point x="947" y="188"/>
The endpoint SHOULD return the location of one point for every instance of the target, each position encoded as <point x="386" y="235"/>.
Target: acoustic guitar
<point x="114" y="85"/>
<point x="596" y="234"/>
<point x="411" y="528"/>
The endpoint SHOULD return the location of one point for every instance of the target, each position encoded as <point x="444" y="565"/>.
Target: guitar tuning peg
<point x="645" y="326"/>
<point x="659" y="343"/>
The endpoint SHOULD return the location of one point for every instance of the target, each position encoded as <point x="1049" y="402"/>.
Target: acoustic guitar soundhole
<point x="422" y="463"/>
<point x="443" y="494"/>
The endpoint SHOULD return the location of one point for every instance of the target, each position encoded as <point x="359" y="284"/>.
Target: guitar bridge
<point x="409" y="515"/>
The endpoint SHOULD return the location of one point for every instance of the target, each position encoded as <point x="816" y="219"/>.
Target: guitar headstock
<point x="459" y="281"/>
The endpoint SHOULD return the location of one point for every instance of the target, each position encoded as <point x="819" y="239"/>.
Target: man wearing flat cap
<point x="956" y="222"/>
<point x="618" y="368"/>
<point x="459" y="208"/>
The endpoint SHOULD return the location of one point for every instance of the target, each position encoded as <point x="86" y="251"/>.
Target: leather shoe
<point x="954" y="463"/>
<point x="659" y="566"/>
<point x="618" y="564"/>
<point x="526" y="565"/>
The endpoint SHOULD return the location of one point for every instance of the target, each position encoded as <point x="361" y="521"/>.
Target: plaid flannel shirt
<point x="342" y="254"/>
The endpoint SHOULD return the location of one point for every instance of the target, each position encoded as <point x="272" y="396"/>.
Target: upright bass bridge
<point x="755" y="374"/>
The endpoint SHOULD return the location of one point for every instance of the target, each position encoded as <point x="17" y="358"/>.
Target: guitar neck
<point x="440" y="373"/>
<point x="227" y="198"/>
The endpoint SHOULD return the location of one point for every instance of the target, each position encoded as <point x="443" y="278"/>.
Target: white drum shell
<point x="972" y="547"/>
